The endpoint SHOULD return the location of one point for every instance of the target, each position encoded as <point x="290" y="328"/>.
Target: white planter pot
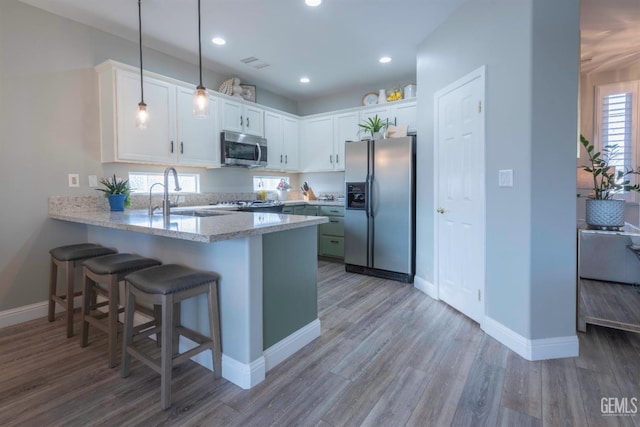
<point x="605" y="214"/>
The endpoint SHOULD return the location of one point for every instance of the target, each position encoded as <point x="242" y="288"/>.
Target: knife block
<point x="310" y="195"/>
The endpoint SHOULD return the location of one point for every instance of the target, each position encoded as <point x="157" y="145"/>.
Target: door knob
<point x="440" y="210"/>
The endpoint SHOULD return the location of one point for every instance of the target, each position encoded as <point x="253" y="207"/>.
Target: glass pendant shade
<point x="201" y="102"/>
<point x="142" y="116"/>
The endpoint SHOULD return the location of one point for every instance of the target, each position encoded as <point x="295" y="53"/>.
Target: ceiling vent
<point x="254" y="62"/>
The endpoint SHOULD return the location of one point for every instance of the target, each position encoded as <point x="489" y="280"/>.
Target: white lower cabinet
<point x="173" y="134"/>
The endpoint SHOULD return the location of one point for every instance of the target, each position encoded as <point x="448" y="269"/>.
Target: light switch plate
<point x="93" y="181"/>
<point x="505" y="178"/>
<point x="74" y="180"/>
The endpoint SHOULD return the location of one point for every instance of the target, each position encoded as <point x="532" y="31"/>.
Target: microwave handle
<point x="259" y="154"/>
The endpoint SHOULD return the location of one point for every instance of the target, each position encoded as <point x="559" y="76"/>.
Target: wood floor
<point x="388" y="356"/>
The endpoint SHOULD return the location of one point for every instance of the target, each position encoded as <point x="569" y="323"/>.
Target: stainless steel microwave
<point x="239" y="149"/>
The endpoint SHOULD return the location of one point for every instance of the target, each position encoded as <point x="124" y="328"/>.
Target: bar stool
<point x="167" y="286"/>
<point x="110" y="270"/>
<point x="69" y="257"/>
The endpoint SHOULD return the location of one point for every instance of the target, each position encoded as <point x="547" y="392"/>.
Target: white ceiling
<point x="610" y="34"/>
<point x="337" y="45"/>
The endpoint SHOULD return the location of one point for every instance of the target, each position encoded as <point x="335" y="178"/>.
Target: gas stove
<point x="252" y="205"/>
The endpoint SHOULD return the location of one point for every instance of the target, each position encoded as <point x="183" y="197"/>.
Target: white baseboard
<point x="426" y="287"/>
<point x="291" y="344"/>
<point x="249" y="375"/>
<point x="24" y="313"/>
<point x="538" y="349"/>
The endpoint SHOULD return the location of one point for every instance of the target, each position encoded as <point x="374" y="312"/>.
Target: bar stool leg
<point x="214" y="328"/>
<point x="53" y="277"/>
<point x="127" y="334"/>
<point x="69" y="273"/>
<point x="166" y="362"/>
<point x="113" y="321"/>
<point x="87" y="304"/>
<point x="176" y="322"/>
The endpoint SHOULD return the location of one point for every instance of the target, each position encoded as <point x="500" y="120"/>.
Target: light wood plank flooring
<point x="388" y="356"/>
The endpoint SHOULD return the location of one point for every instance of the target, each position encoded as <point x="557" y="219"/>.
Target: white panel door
<point x="460" y="196"/>
<point x="232" y="116"/>
<point x="317" y="148"/>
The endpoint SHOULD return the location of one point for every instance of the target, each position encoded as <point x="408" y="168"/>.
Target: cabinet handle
<point x="241" y="121"/>
<point x="280" y="158"/>
<point x="335" y="221"/>
<point x="172" y="146"/>
<point x="330" y="158"/>
<point x="248" y="125"/>
<point x="337" y="159"/>
<point x="334" y="241"/>
<point x="181" y="147"/>
<point x="286" y="159"/>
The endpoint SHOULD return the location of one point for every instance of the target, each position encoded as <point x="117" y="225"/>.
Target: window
<point x="268" y="183"/>
<point x="617" y="123"/>
<point x="140" y="182"/>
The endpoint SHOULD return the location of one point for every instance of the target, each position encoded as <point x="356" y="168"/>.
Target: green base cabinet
<point x="331" y="234"/>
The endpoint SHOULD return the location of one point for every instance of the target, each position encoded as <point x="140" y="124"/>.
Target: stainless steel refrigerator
<point x="379" y="217"/>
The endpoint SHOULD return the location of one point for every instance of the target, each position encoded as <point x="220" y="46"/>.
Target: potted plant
<point x="117" y="191"/>
<point x="602" y="210"/>
<point x="374" y="126"/>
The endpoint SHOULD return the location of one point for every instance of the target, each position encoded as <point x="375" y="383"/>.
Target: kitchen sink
<point x="200" y="213"/>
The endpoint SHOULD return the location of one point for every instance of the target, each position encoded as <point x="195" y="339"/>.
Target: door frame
<point x="479" y="73"/>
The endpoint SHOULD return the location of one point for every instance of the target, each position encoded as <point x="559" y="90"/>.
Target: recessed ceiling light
<point x="313" y="3"/>
<point x="218" y="40"/>
<point x="304" y="80"/>
<point x="385" y="59"/>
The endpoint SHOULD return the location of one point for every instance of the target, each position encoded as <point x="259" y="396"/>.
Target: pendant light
<point x="142" y="116"/>
<point x="200" y="97"/>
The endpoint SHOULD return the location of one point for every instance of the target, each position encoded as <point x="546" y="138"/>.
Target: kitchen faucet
<point x="166" y="205"/>
<point x="153" y="208"/>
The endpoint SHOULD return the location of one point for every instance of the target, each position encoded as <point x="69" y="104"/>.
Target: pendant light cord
<point x="140" y="43"/>
<point x="199" y="45"/>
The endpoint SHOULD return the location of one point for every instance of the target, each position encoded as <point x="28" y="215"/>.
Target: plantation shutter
<point x="616" y="127"/>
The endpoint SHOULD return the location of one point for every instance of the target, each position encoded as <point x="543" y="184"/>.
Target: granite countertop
<point x="225" y="226"/>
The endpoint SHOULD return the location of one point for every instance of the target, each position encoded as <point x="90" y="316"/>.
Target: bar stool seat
<point x="110" y="270"/>
<point x="69" y="257"/>
<point x="167" y="286"/>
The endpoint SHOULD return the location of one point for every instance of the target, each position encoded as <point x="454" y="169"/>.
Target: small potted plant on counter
<point x="374" y="126"/>
<point x="117" y="191"/>
<point x="602" y="210"/>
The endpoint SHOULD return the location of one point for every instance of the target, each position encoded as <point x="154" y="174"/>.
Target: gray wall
<point x="350" y="98"/>
<point x="530" y="49"/>
<point x="49" y="128"/>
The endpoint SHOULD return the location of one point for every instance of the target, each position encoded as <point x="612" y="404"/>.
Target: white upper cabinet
<point x="290" y="143"/>
<point x="346" y="129"/>
<point x="238" y="117"/>
<point x="282" y="134"/>
<point x="198" y="141"/>
<point x="121" y="139"/>
<point x="275" y="138"/>
<point x="317" y="144"/>
<point x="173" y="134"/>
<point x="396" y="113"/>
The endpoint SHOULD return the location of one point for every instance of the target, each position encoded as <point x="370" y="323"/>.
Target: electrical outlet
<point x="505" y="178"/>
<point x="93" y="181"/>
<point x="74" y="180"/>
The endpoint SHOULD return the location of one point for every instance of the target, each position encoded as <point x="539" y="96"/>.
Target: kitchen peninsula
<point x="268" y="268"/>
